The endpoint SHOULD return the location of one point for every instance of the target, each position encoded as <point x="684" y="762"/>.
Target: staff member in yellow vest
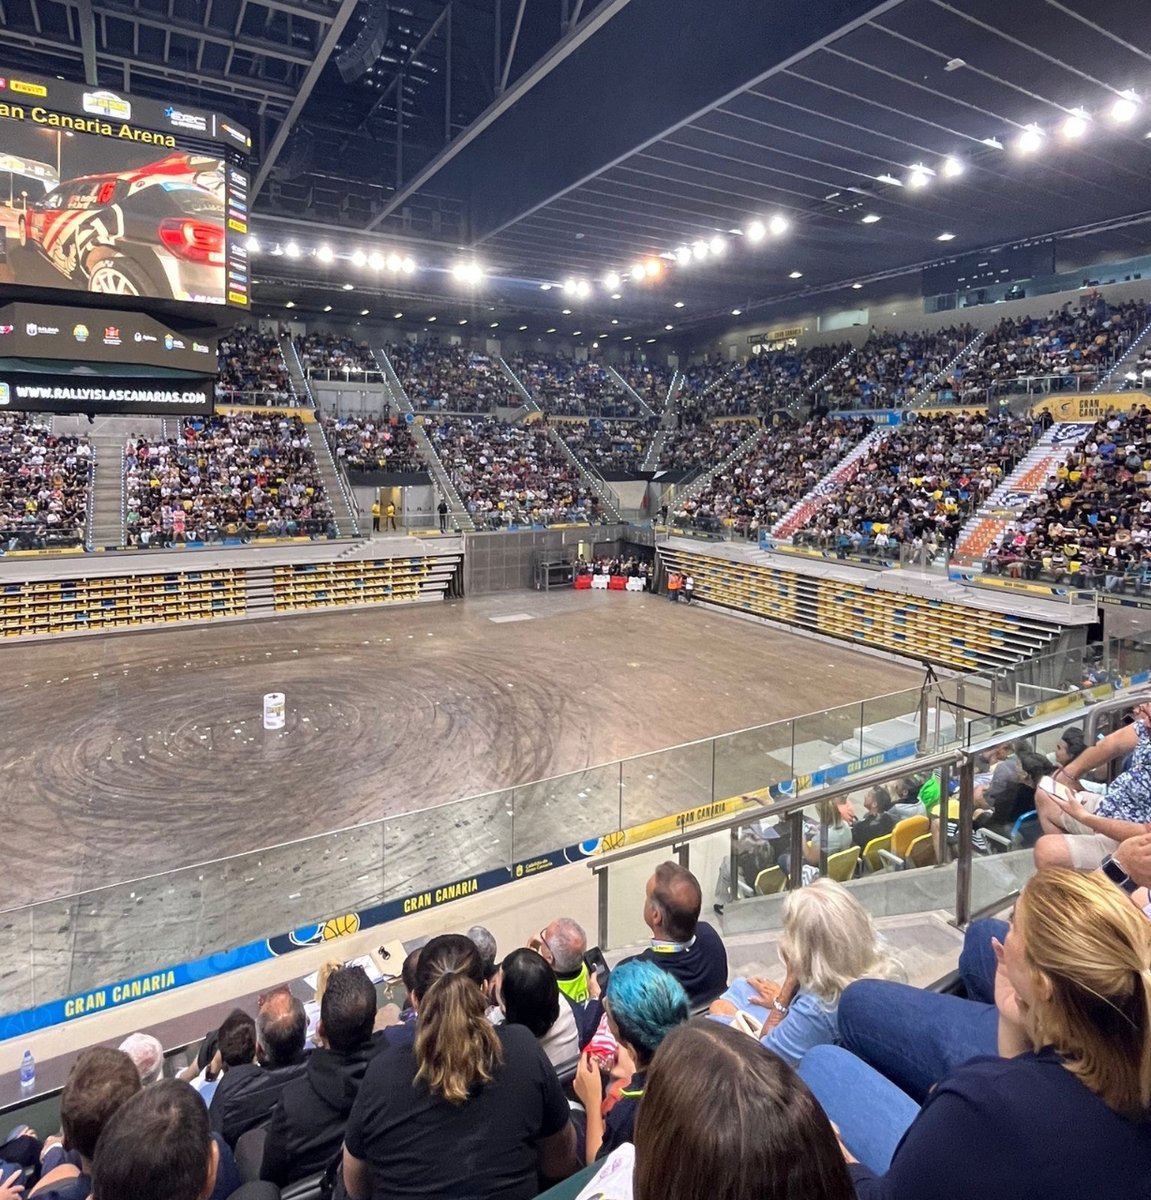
<point x="376" y="515"/>
<point x="390" y="512"/>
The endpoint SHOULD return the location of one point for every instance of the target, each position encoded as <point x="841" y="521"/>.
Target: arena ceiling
<point x="557" y="139"/>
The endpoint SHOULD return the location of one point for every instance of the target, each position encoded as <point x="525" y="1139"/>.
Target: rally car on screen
<point x="156" y="230"/>
<point x="22" y="180"/>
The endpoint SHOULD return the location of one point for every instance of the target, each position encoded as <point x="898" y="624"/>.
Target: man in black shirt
<point x="246" y="1095"/>
<point x="878" y="822"/>
<point x="307" y="1124"/>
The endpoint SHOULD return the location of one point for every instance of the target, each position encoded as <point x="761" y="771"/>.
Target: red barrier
<point x="583" y="582"/>
<point x="617" y="583"/>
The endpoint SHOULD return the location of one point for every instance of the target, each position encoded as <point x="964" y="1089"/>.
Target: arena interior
<point x="625" y="518"/>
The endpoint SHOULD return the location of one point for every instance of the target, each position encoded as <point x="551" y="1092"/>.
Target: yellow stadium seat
<point x="872" y="849"/>
<point x="906" y="832"/>
<point x="921" y="852"/>
<point x="770" y="881"/>
<point x="841" y="866"/>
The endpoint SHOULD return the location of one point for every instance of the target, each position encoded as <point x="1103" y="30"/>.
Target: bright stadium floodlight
<point x="292" y="250"/>
<point x="919" y="176"/>
<point x="756" y="231"/>
<point x="324" y="254"/>
<point x="699" y="250"/>
<point x="1030" y="140"/>
<point x="637" y="272"/>
<point x="953" y="167"/>
<point x="683" y="256"/>
<point x="569" y="287"/>
<point x="359" y="258"/>
<point x="717" y="246"/>
<point x="652" y="267"/>
<point x="392" y="262"/>
<point x="408" y="265"/>
<point x="376" y="260"/>
<point x="1075" y="124"/>
<point x="1125" y="107"/>
<point x="583" y="289"/>
<point x="469" y="273"/>
<point x="612" y="281"/>
<point x="253" y="244"/>
<point x="778" y="225"/>
<point x="737" y="312"/>
<point x="870" y="218"/>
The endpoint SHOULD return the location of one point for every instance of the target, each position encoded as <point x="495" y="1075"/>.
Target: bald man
<point x="682" y="944"/>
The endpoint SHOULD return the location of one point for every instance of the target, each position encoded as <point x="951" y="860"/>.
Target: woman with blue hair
<point x="643" y="1005"/>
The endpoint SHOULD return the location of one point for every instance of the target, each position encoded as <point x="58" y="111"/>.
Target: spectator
<point x="307" y="1124"/>
<point x="1073" y="1001"/>
<point x="232" y="1045"/>
<point x="484" y="941"/>
<point x="408" y="975"/>
<point x="452" y="379"/>
<point x="562" y="944"/>
<point x="682" y="944"/>
<point x="247" y="1095"/>
<point x="148" y="1055"/>
<point x="100" y="1081"/>
<point x="365" y="444"/>
<point x="828" y="942"/>
<point x="722" y="1119"/>
<point x="251" y="369"/>
<point x="470" y="1109"/>
<point x="158" y="1144"/>
<point x="878" y="821"/>
<point x="643" y="1005"/>
<point x="44" y="484"/>
<point x="1080" y="828"/>
<point x="527" y="995"/>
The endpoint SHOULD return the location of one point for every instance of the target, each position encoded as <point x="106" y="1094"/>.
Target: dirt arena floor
<point x="127" y="756"/>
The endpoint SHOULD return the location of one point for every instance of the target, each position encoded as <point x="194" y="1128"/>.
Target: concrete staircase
<point x="530" y="403"/>
<point x="1114" y="377"/>
<point x="461" y="518"/>
<point x="607" y="497"/>
<point x="1016" y="491"/>
<point x="296" y="374"/>
<point x="700" y="482"/>
<point x="926" y="393"/>
<point x="800" y="514"/>
<point x="645" y="409"/>
<point x="339" y="494"/>
<point x="667" y="423"/>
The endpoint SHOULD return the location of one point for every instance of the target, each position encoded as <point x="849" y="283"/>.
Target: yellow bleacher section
<point x="38" y="607"/>
<point x="335" y="584"/>
<point x="918" y="627"/>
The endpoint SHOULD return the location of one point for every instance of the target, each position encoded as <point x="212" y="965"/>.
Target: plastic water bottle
<point x="27" y="1070"/>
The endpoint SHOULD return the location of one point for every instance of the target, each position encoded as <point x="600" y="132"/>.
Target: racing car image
<point x="156" y="230"/>
<point x="21" y="178"/>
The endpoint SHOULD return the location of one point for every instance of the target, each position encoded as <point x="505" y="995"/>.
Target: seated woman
<point x="467" y="1109"/>
<point x="828" y="941"/>
<point x="1063" y="1108"/>
<point x="528" y="995"/>
<point x="723" y="1119"/>
<point x="643" y="1004"/>
<point x="1080" y="828"/>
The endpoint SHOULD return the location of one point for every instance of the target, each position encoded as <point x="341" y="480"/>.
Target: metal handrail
<point x="1115" y="704"/>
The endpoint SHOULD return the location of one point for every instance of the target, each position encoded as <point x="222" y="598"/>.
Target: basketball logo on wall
<point x="313" y="935"/>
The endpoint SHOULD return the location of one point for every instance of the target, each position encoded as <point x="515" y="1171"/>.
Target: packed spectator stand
<point x="1091" y="526"/>
<point x="451" y="379"/>
<point x="328" y="352"/>
<point x="778" y="470"/>
<point x="568" y="388"/>
<point x="252" y="369"/>
<point x="613" y="448"/>
<point x="703" y="445"/>
<point x="918" y="484"/>
<point x="239" y="475"/>
<point x="44" y="484"/>
<point x="371" y="444"/>
<point x="771" y="380"/>
<point x="649" y="380"/>
<point x="510" y="474"/>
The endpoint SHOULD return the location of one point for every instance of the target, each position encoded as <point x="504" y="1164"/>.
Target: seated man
<point x="878" y="821"/>
<point x="232" y="1045"/>
<point x="158" y="1144"/>
<point x="101" y="1080"/>
<point x="562" y="944"/>
<point x="307" y="1124"/>
<point x="1081" y="828"/>
<point x="246" y="1095"/>
<point x="682" y="944"/>
<point x="148" y="1055"/>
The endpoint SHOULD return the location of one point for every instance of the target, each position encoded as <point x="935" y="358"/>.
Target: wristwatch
<point x="1118" y="876"/>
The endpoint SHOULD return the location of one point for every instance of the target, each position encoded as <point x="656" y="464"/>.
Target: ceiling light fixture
<point x="796" y="275"/>
<point x="611" y="281"/>
<point x="290" y="304"/>
<point x="946" y="237"/>
<point x="464" y="321"/>
<point x="1075" y="124"/>
<point x="737" y="312"/>
<point x="523" y="329"/>
<point x="1125" y="107"/>
<point x="627" y="338"/>
<point x="494" y="325"/>
<point x="567" y="312"/>
<point x="397" y="316"/>
<point x="359" y="258"/>
<point x="699" y="249"/>
<point x="756" y="231"/>
<point x="653" y="267"/>
<point x="889" y="179"/>
<point x="292" y="250"/>
<point x="637" y="272"/>
<point x="551" y="330"/>
<point x="1029" y="140"/>
<point x="569" y="287"/>
<point x="778" y="224"/>
<point x="392" y="262"/>
<point x="683" y="256"/>
<point x="363" y="312"/>
<point x="583" y="289"/>
<point x="376" y="260"/>
<point x="856" y="286"/>
<point x="919" y="176"/>
<point x="253" y="245"/>
<point x="431" y="318"/>
<point x="669" y="327"/>
<point x="327" y="308"/>
<point x="577" y="332"/>
<point x="953" y="167"/>
<point x="870" y="219"/>
<point x="324" y="254"/>
<point x="994" y="143"/>
<point x="616" y="295"/>
<point x="545" y="287"/>
<point x="678" y="304"/>
<point x="717" y="246"/>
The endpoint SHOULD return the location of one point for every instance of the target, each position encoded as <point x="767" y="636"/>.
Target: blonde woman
<point x="828" y="942"/>
<point x="1063" y="1109"/>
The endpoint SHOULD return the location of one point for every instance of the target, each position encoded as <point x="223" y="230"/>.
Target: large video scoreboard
<point x="116" y="195"/>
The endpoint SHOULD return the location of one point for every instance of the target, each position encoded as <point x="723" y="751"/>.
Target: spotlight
<point x="470" y="273"/>
<point x="717" y="245"/>
<point x="737" y="312"/>
<point x="253" y="245"/>
<point x="583" y="289"/>
<point x="566" y="312"/>
<point x="756" y="231"/>
<point x="699" y="249"/>
<point x="523" y="329"/>
<point x="616" y="295"/>
<point x="359" y="258"/>
<point x="292" y="250"/>
<point x="364" y="312"/>
<point x="1075" y="124"/>
<point x="432" y="318"/>
<point x="946" y="237"/>
<point x="856" y="286"/>
<point x="569" y="287"/>
<point x="1125" y="107"/>
<point x="796" y="275"/>
<point x="577" y="332"/>
<point x="349" y="287"/>
<point x="669" y="327"/>
<point x="290" y="304"/>
<point x="464" y="321"/>
<point x="392" y="262"/>
<point x="683" y="256"/>
<point x="953" y="167"/>
<point x="1029" y="140"/>
<point x="638" y="272"/>
<point x="327" y="308"/>
<point x="919" y="176"/>
<point x="652" y="267"/>
<point x="408" y="265"/>
<point x="871" y="218"/>
<point x="324" y="254"/>
<point x="396" y="316"/>
<point x="545" y="287"/>
<point x="494" y="325"/>
<point x="611" y="281"/>
<point x="777" y="225"/>
<point x="549" y="330"/>
<point x="376" y="260"/>
<point x="678" y="304"/>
